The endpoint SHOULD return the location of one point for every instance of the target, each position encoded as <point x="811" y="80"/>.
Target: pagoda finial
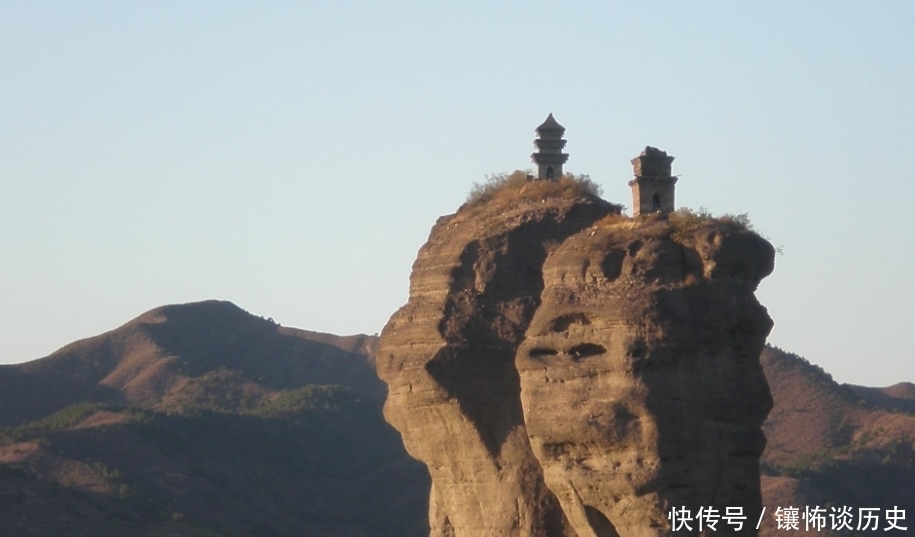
<point x="550" y="125"/>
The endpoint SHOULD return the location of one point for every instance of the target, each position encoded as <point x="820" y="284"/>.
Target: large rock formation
<point x="563" y="371"/>
<point x="640" y="376"/>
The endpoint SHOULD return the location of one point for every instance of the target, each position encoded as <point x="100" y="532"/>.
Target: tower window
<point x="549" y="172"/>
<point x="656" y="202"/>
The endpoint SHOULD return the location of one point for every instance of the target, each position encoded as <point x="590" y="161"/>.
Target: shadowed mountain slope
<point x="203" y="420"/>
<point x="150" y="360"/>
<point x="833" y="444"/>
<point x="899" y="397"/>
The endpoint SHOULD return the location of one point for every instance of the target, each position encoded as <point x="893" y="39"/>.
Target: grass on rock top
<point x="679" y="225"/>
<point x="516" y="187"/>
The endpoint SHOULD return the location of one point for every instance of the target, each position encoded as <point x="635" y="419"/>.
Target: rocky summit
<point x="563" y="370"/>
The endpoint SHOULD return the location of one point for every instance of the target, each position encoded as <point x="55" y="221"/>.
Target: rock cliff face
<point x="565" y="372"/>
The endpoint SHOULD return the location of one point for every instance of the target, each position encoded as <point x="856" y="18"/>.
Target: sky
<point x="291" y="157"/>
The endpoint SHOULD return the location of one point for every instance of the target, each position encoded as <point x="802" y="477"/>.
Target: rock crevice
<point x="564" y="372"/>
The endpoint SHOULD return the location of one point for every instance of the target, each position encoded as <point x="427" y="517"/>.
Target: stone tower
<point x="549" y="156"/>
<point x="653" y="186"/>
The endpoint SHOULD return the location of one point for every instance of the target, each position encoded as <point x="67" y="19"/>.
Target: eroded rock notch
<point x="565" y="371"/>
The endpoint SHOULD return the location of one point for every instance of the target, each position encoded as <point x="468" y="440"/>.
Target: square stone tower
<point x="653" y="186"/>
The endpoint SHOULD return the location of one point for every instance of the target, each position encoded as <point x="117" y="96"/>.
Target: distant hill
<point x="151" y="360"/>
<point x="201" y="419"/>
<point x="833" y="444"/>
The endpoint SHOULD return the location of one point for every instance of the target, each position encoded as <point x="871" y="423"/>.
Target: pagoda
<point x="549" y="156"/>
<point x="653" y="186"/>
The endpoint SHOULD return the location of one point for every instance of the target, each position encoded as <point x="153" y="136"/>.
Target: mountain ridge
<point x="202" y="419"/>
<point x="197" y="460"/>
<point x="152" y="356"/>
<point x="833" y="444"/>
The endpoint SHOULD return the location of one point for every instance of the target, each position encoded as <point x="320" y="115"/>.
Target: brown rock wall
<point x="641" y="383"/>
<point x="561" y="376"/>
<point x="448" y="358"/>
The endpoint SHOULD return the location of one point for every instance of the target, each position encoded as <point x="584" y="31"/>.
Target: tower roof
<point x="654" y="152"/>
<point x="550" y="125"/>
<point x="652" y="162"/>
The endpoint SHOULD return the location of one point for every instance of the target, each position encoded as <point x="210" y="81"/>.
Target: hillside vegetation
<point x="829" y="445"/>
<point x="201" y="420"/>
<point x="204" y="420"/>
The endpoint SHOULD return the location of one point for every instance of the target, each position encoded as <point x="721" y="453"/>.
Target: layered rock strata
<point x="640" y="376"/>
<point x="564" y="372"/>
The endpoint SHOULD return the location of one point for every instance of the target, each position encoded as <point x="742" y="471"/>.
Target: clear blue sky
<point x="292" y="156"/>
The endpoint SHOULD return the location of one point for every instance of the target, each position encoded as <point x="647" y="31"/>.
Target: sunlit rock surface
<point x="565" y="372"/>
